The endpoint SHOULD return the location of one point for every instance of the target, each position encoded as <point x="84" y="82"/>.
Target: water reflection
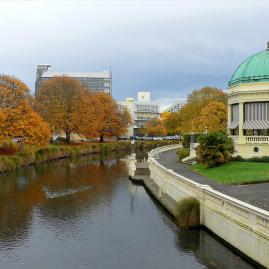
<point x="84" y="213"/>
<point x="22" y="191"/>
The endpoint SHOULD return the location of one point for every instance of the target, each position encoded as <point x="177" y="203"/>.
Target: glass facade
<point x="145" y="112"/>
<point x="147" y="108"/>
<point x="93" y="84"/>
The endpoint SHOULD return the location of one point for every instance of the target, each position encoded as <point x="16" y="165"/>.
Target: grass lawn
<point x="236" y="172"/>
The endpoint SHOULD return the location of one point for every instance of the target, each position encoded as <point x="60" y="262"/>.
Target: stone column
<point x="241" y="121"/>
<point x="229" y="119"/>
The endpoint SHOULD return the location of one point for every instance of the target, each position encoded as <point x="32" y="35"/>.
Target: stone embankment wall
<point x="242" y="225"/>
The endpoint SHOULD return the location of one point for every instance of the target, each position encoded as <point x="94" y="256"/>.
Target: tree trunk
<point x="67" y="137"/>
<point x="101" y="140"/>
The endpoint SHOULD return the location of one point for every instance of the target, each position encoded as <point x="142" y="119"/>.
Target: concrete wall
<point x="242" y="225"/>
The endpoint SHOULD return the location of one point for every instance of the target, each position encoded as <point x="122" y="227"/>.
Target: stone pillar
<point x="229" y="119"/>
<point x="241" y="121"/>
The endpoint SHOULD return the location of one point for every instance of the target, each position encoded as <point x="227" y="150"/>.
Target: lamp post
<point x="133" y="148"/>
<point x="192" y="141"/>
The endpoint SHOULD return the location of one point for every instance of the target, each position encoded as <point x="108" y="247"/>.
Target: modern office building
<point x="248" y="106"/>
<point x="94" y="81"/>
<point x="141" y="110"/>
<point x="176" y="106"/>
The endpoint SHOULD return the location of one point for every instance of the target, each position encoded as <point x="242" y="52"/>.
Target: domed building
<point x="248" y="106"/>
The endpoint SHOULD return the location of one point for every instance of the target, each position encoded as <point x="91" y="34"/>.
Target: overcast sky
<point x="167" y="47"/>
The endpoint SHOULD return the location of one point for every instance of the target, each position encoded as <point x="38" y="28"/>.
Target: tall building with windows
<point x="141" y="110"/>
<point x="248" y="106"/>
<point x="94" y="81"/>
<point x="145" y="110"/>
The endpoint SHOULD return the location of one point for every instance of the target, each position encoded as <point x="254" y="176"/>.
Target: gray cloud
<point x="168" y="47"/>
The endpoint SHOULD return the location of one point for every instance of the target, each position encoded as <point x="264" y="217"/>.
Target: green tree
<point x="215" y="148"/>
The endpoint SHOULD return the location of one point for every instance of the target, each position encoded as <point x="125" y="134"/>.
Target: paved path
<point x="255" y="194"/>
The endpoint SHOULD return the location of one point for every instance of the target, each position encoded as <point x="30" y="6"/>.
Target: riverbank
<point x="33" y="155"/>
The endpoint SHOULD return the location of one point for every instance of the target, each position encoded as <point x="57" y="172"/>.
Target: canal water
<point x="85" y="213"/>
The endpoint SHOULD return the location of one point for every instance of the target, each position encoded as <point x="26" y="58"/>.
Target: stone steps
<point x="190" y="161"/>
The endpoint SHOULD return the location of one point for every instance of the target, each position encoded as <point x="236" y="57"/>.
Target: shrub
<point x="215" y="148"/>
<point x="187" y="139"/>
<point x="264" y="159"/>
<point x="183" y="153"/>
<point x="188" y="213"/>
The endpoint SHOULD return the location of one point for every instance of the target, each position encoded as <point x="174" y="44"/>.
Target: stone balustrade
<point x="257" y="139"/>
<point x="242" y="225"/>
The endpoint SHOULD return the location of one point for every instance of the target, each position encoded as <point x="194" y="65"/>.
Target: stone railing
<point x="242" y="225"/>
<point x="155" y="152"/>
<point x="257" y="139"/>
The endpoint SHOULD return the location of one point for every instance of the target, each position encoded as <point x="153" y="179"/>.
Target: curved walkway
<point x="255" y="194"/>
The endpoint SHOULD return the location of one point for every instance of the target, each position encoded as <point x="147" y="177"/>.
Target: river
<point x="85" y="213"/>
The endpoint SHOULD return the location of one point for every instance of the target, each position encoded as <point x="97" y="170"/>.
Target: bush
<point x="215" y="148"/>
<point x="188" y="213"/>
<point x="187" y="140"/>
<point x="183" y="153"/>
<point x="264" y="159"/>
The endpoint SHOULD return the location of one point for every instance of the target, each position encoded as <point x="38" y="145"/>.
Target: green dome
<point x="254" y="69"/>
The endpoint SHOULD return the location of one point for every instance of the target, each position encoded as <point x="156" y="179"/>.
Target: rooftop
<point x="254" y="69"/>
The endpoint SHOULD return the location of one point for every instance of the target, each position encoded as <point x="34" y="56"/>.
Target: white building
<point x="94" y="81"/>
<point x="141" y="110"/>
<point x="248" y="106"/>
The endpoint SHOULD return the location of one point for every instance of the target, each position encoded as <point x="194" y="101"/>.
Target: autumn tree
<point x="17" y="118"/>
<point x="93" y="114"/>
<point x="155" y="127"/>
<point x="124" y="121"/>
<point x="13" y="93"/>
<point x="22" y="122"/>
<point x="196" y="101"/>
<point x="213" y="118"/>
<point x="62" y="102"/>
<point x="111" y="120"/>
<point x="172" y="123"/>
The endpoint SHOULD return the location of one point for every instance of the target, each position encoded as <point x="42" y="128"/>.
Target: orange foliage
<point x="61" y="102"/>
<point x="13" y="92"/>
<point x="70" y="108"/>
<point x="155" y="127"/>
<point x="109" y="120"/>
<point x="165" y="115"/>
<point x="196" y="101"/>
<point x="17" y="118"/>
<point x="213" y="118"/>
